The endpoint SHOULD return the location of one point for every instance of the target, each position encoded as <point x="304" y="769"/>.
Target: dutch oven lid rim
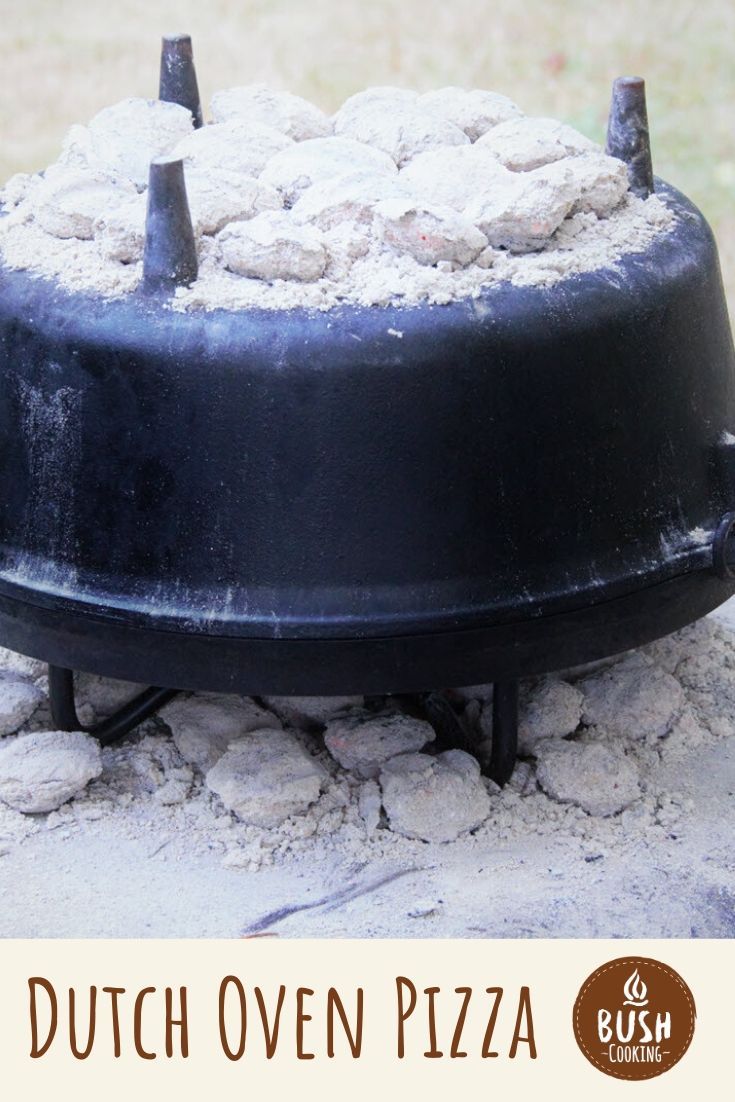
<point x="38" y="303"/>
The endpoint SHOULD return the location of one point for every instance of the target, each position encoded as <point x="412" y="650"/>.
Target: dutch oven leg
<point x="452" y="734"/>
<point x="505" y="732"/>
<point x="120" y="723"/>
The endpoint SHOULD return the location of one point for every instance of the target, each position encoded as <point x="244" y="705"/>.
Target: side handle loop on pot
<point x="723" y="550"/>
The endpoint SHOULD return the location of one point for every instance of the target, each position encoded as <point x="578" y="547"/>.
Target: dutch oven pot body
<point x="366" y="499"/>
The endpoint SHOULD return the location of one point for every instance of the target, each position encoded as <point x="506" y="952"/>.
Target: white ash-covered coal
<point x="258" y="783"/>
<point x="397" y="198"/>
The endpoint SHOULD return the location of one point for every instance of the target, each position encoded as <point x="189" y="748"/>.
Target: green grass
<point x="63" y="61"/>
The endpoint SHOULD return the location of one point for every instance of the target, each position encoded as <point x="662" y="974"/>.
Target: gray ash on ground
<point x="231" y="776"/>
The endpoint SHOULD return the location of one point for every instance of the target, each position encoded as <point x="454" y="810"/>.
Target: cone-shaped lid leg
<point x="178" y="83"/>
<point x="170" y="257"/>
<point x="627" y="132"/>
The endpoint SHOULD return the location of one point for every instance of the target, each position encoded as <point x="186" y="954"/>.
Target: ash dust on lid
<point x="399" y="198"/>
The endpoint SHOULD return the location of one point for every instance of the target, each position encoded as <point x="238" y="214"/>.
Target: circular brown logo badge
<point x="634" y="1018"/>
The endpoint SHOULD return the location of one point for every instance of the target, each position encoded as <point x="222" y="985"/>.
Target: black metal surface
<point x="453" y="733"/>
<point x="170" y="257"/>
<point x="308" y="503"/>
<point x="68" y="634"/>
<point x="627" y="133"/>
<point x="505" y="732"/>
<point x="450" y="733"/>
<point x="178" y="79"/>
<point x="61" y="696"/>
<point x="114" y="727"/>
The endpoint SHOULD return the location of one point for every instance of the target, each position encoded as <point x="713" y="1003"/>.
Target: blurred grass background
<point x="65" y="60"/>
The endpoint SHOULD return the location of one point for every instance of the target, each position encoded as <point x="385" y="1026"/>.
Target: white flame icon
<point x="635" y="991"/>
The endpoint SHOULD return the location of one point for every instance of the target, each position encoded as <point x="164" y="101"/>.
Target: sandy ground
<point x="130" y="873"/>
